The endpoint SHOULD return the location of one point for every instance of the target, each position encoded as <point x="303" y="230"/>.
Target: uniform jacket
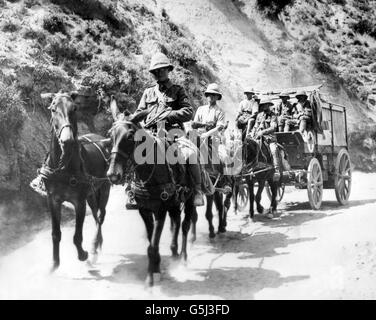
<point x="304" y="110"/>
<point x="248" y="106"/>
<point x="285" y="110"/>
<point x="266" y="122"/>
<point x="160" y="96"/>
<point x="212" y="114"/>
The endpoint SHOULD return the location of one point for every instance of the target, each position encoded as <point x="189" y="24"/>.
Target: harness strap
<point x="97" y="146"/>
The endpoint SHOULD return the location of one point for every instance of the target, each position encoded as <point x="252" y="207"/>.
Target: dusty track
<point x="326" y="254"/>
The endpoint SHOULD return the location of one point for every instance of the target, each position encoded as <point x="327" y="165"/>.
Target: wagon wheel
<point x="342" y="178"/>
<point x="243" y="196"/>
<point x="280" y="192"/>
<point x="314" y="184"/>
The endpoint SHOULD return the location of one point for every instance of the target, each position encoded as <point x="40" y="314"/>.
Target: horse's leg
<point x="147" y="216"/>
<point x="261" y="185"/>
<point x="209" y="215"/>
<point x="227" y="205"/>
<point x="55" y="211"/>
<point x="80" y="207"/>
<point x="104" y="193"/>
<point x="218" y="199"/>
<point x="251" y="197"/>
<point x="189" y="212"/>
<point x="153" y="249"/>
<point x="194" y="218"/>
<point x="175" y="222"/>
<point x="92" y="202"/>
<point x="236" y="193"/>
<point x="274" y="191"/>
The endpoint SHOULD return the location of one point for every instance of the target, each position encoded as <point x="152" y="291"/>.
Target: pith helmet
<point x="213" y="88"/>
<point x="265" y="103"/>
<point x="301" y="94"/>
<point x="158" y="61"/>
<point x="284" y="94"/>
<point x="249" y="90"/>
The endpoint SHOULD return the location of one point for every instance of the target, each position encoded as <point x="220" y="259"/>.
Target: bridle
<point x="129" y="164"/>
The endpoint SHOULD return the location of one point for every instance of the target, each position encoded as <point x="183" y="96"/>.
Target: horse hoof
<point x="175" y="256"/>
<point x="261" y="210"/>
<point x="270" y="215"/>
<point x="54" y="267"/>
<point x="83" y="256"/>
<point x="94" y="258"/>
<point x="211" y="235"/>
<point x="149" y="282"/>
<point x="157" y="278"/>
<point x="222" y="230"/>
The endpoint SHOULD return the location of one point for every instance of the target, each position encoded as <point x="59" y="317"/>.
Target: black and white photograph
<point x="187" y="150"/>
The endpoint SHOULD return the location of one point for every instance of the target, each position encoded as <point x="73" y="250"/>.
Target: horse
<point x="158" y="187"/>
<point x="222" y="200"/>
<point x="258" y="167"/>
<point x="74" y="171"/>
<point x="223" y="186"/>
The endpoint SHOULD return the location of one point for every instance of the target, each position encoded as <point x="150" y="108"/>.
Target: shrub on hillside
<point x="113" y="73"/>
<point x="10" y="25"/>
<point x="3" y="4"/>
<point x="364" y="27"/>
<point x="54" y="23"/>
<point x="12" y="112"/>
<point x="37" y="35"/>
<point x="94" y="9"/>
<point x="31" y="3"/>
<point x="272" y="8"/>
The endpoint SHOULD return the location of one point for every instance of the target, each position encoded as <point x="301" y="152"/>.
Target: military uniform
<point x="167" y="95"/>
<point x="248" y="110"/>
<point x="285" y="113"/>
<point x="266" y="125"/>
<point x="303" y="113"/>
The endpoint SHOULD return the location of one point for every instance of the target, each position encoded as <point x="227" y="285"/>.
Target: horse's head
<point x="122" y="135"/>
<point x="63" y="117"/>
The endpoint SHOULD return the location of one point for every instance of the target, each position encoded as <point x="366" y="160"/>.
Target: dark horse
<point x="222" y="200"/>
<point x="74" y="171"/>
<point x="157" y="186"/>
<point x="258" y="167"/>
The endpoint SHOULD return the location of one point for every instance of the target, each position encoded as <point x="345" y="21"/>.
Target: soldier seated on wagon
<point x="285" y="112"/>
<point x="303" y="114"/>
<point x="265" y="127"/>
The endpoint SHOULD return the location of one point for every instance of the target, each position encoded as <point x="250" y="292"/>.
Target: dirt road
<point x="304" y="254"/>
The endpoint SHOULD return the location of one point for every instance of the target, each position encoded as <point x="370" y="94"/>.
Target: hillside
<point x="103" y="47"/>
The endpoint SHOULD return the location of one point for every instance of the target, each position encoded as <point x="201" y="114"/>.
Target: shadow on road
<point x="214" y="276"/>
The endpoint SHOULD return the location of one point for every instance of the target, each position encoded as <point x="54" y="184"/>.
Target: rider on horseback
<point x="165" y="96"/>
<point x="210" y="120"/>
<point x="263" y="131"/>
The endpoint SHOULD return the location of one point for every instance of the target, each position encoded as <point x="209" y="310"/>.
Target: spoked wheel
<point x="315" y="184"/>
<point x="243" y="196"/>
<point x="280" y="191"/>
<point x="342" y="179"/>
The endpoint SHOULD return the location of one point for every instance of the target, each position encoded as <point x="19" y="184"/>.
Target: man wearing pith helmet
<point x="304" y="111"/>
<point x="247" y="112"/>
<point x="265" y="127"/>
<point x="285" y="112"/>
<point x="165" y="95"/>
<point x="209" y="120"/>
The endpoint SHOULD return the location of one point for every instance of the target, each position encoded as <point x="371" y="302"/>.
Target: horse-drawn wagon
<point x="319" y="158"/>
